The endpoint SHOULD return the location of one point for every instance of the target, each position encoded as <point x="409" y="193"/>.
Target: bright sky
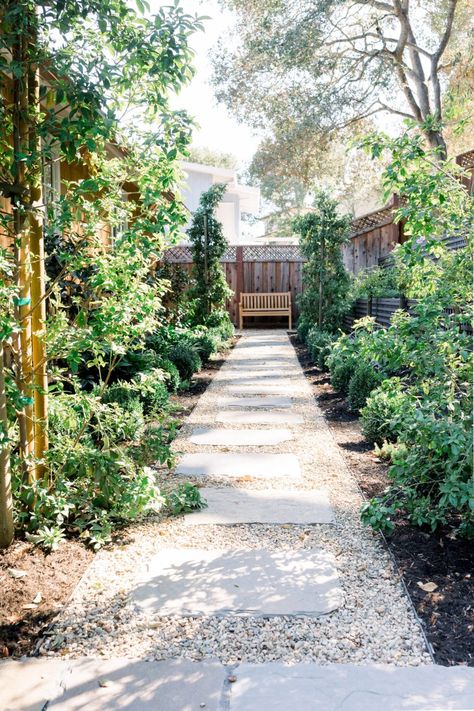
<point x="217" y="129"/>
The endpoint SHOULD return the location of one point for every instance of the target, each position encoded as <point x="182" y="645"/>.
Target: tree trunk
<point x="321" y="286"/>
<point x="6" y="501"/>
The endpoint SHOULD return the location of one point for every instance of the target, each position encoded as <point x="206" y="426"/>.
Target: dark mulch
<point x="54" y="575"/>
<point x="51" y="576"/>
<point x="421" y="556"/>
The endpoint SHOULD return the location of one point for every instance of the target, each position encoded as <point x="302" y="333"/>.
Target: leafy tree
<point x="208" y="245"/>
<point x="322" y="232"/>
<point x="77" y="78"/>
<point x="208" y="156"/>
<point x="331" y="62"/>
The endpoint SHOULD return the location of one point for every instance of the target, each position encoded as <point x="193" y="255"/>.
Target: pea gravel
<point x="376" y="622"/>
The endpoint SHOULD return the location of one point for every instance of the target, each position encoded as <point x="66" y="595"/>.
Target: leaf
<point x="427" y="587"/>
<point x="16" y="573"/>
<point x="104" y="683"/>
<point x="38" y="598"/>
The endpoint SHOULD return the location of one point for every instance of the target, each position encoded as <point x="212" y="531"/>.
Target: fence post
<point x="239" y="259"/>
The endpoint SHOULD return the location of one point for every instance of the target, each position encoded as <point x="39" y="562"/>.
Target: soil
<point x="29" y="574"/>
<point x="447" y="613"/>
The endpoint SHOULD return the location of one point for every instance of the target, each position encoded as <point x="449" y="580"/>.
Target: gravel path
<point x="376" y="622"/>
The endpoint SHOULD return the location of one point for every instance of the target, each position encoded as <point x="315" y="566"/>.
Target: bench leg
<point x="241" y="320"/>
<point x="289" y="320"/>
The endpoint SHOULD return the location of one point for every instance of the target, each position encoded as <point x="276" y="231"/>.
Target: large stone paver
<point x="28" y="684"/>
<point x="257" y="402"/>
<point x="244" y="582"/>
<point x="171" y="685"/>
<point x="262" y="388"/>
<point x="243" y="417"/>
<point x="230" y="506"/>
<point x="346" y="687"/>
<point x="256" y="465"/>
<point x="238" y="438"/>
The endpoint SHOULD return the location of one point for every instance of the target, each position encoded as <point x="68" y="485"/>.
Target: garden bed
<point x="27" y="573"/>
<point x="422" y="557"/>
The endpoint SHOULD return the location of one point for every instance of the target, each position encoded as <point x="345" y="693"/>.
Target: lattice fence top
<point x="250" y="253"/>
<point x="371" y="221"/>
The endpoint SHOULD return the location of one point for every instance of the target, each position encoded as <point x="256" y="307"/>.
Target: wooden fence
<point x="253" y="268"/>
<point x="375" y="235"/>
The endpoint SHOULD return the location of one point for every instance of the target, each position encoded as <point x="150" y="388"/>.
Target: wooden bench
<point x="265" y="304"/>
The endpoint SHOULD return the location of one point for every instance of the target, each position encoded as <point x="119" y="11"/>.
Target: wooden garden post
<point x="321" y="288"/>
<point x="6" y="501"/>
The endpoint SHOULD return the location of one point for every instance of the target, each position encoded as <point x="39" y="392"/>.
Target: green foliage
<point x="172" y="377"/>
<point x="152" y="390"/>
<point x="385" y="405"/>
<point x="186" y="358"/>
<point x="364" y="379"/>
<point x="319" y="345"/>
<point x="208" y="245"/>
<point x="322" y="232"/>
<point x="376" y="282"/>
<point x="185" y="498"/>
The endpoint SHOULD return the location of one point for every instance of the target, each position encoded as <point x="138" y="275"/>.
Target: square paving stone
<point x="241" y="582"/>
<point x="171" y="685"/>
<point x="235" y="465"/>
<point x="272" y="417"/>
<point x="239" y="438"/>
<point x="28" y="684"/>
<point x="286" y="387"/>
<point x="257" y="402"/>
<point x="347" y="687"/>
<point x="231" y="506"/>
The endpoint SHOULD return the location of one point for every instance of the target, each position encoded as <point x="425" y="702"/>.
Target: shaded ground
<point x="447" y="612"/>
<point x="28" y="574"/>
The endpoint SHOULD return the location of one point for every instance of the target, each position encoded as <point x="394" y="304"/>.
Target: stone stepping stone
<point x="240" y="582"/>
<point x="230" y="506"/>
<point x="265" y="388"/>
<point x="257" y="402"/>
<point x="28" y="684"/>
<point x="272" y="417"/>
<point x="347" y="687"/>
<point x="235" y="465"/>
<point x="239" y="438"/>
<point x="136" y="685"/>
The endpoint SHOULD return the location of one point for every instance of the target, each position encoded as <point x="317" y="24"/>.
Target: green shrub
<point x="206" y="343"/>
<point x="379" y="416"/>
<point x="135" y="362"/>
<point x="319" y="346"/>
<point x="111" y="423"/>
<point x="152" y="391"/>
<point x="303" y="328"/>
<point x="123" y="393"/>
<point x="341" y="374"/>
<point x="431" y="476"/>
<point x="186" y="358"/>
<point x="185" y="498"/>
<point x="172" y="379"/>
<point x="94" y="491"/>
<point x="364" y="379"/>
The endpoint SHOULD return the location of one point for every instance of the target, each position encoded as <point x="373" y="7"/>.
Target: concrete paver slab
<point x="230" y="506"/>
<point x="236" y="465"/>
<point x="171" y="685"/>
<point x="272" y="417"/>
<point x="286" y="387"/>
<point x="28" y="684"/>
<point x="242" y="582"/>
<point x="238" y="438"/>
<point x="257" y="402"/>
<point x="347" y="687"/>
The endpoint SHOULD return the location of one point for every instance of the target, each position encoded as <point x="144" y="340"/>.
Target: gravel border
<point x="376" y="623"/>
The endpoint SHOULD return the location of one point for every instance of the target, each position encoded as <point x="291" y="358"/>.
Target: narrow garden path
<point x="265" y="600"/>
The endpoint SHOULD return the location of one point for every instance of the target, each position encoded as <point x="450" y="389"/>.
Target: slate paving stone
<point x="235" y="465"/>
<point x="257" y="402"/>
<point x="211" y="436"/>
<point x="28" y="684"/>
<point x="240" y="582"/>
<point x="272" y="417"/>
<point x="171" y="685"/>
<point x="231" y="506"/>
<point x="347" y="687"/>
<point x="266" y="388"/>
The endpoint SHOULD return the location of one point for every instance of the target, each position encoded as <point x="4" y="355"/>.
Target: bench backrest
<point x="268" y="300"/>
